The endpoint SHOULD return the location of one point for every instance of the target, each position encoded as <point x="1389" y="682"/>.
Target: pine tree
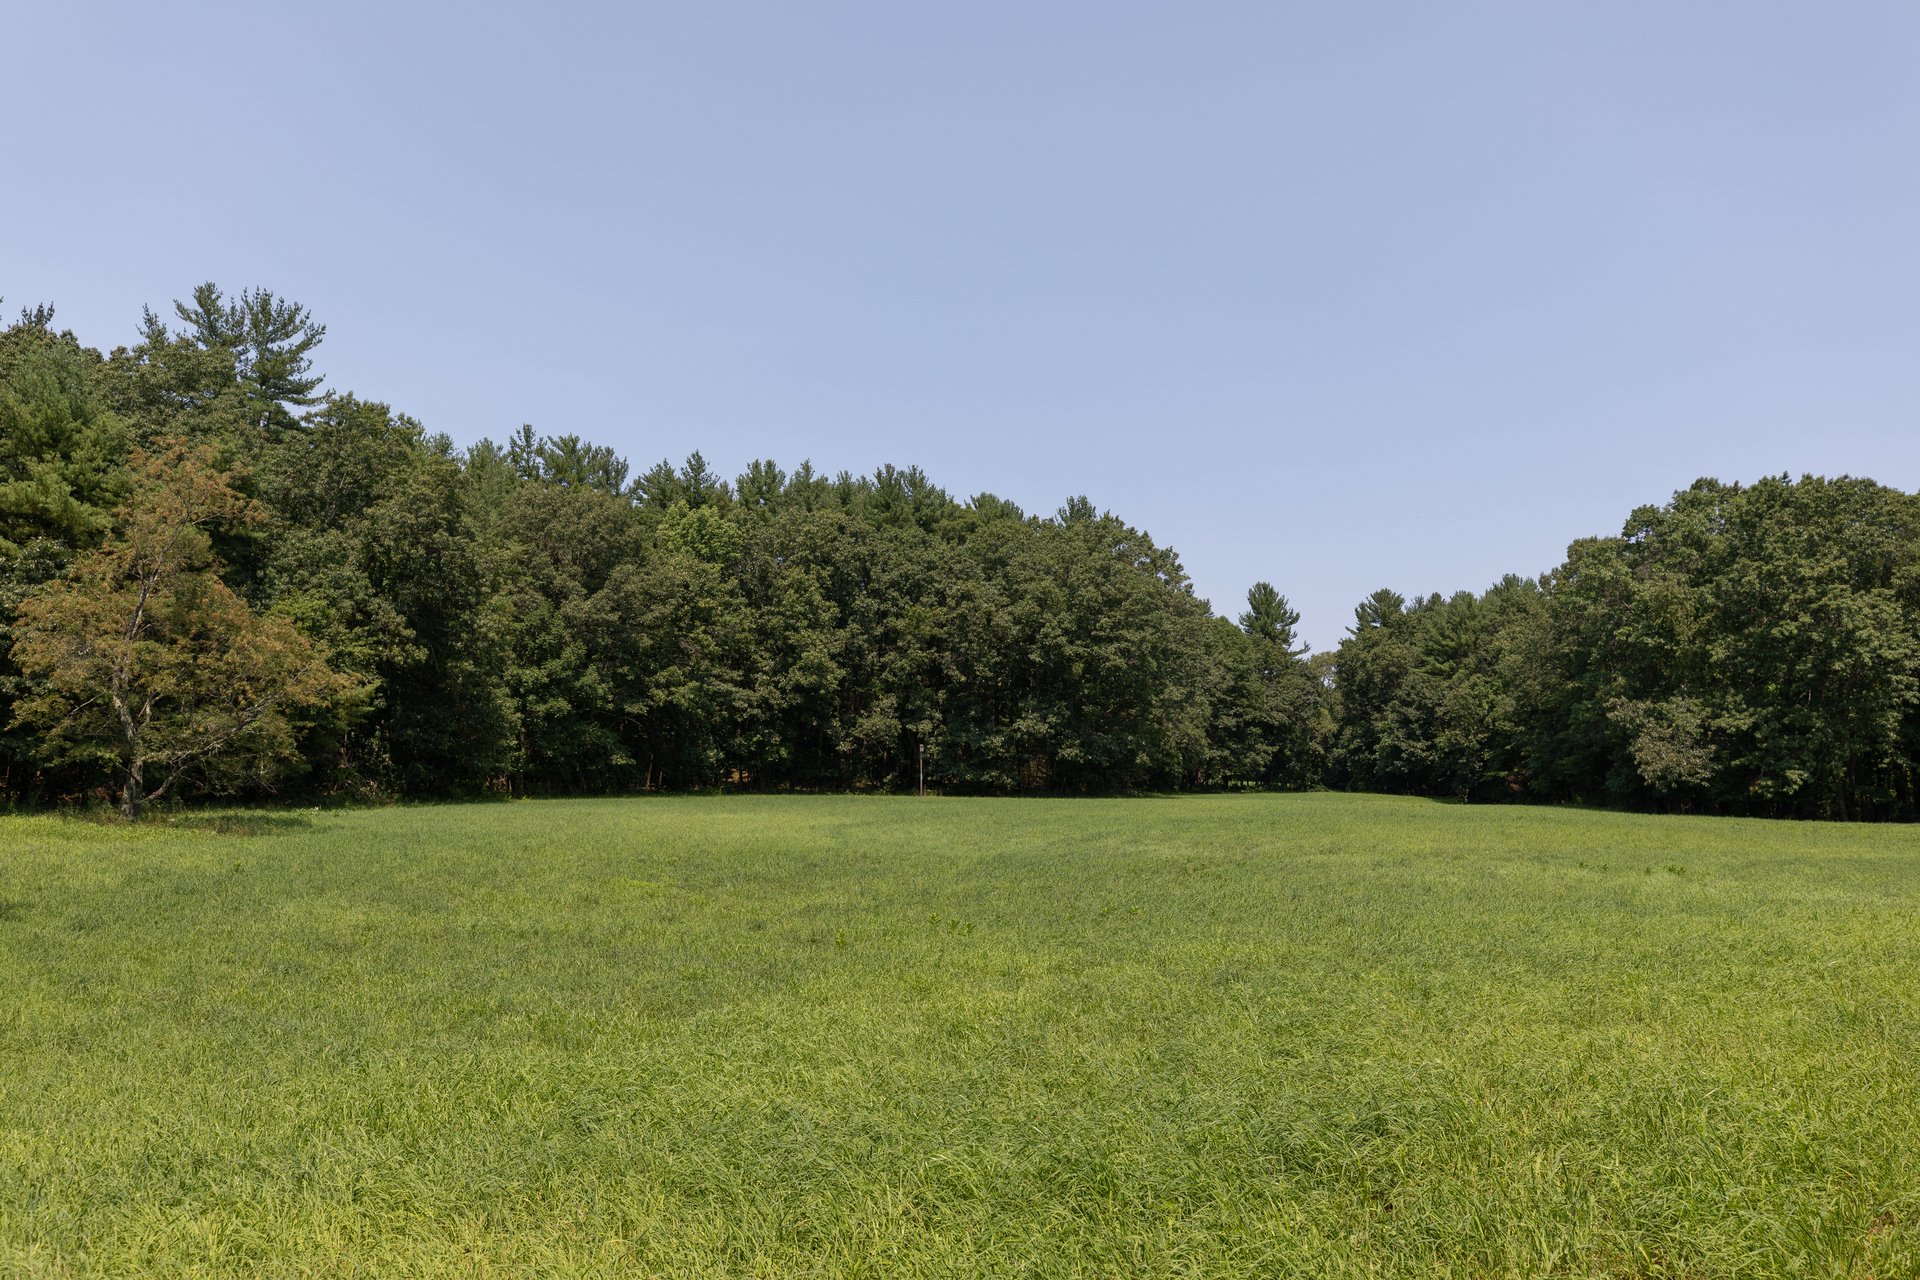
<point x="271" y="340"/>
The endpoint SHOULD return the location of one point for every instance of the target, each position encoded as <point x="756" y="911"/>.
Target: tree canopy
<point x="358" y="607"/>
<point x="141" y="660"/>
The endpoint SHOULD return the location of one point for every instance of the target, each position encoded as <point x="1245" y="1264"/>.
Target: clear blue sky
<point x="1338" y="295"/>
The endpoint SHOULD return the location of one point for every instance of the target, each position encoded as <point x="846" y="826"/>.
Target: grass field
<point x="1254" y="1035"/>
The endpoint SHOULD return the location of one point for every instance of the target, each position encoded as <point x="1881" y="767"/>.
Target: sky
<point x="1339" y="296"/>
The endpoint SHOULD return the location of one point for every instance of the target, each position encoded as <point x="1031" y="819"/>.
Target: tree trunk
<point x="132" y="792"/>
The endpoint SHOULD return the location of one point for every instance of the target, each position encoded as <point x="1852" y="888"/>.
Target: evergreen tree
<point x="270" y="339"/>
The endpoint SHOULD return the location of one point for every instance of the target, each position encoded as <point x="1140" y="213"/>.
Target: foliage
<point x="142" y="661"/>
<point x="529" y="616"/>
<point x="269" y="339"/>
<point x="62" y="452"/>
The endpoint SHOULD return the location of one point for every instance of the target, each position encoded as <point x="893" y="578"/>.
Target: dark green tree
<point x="270" y="338"/>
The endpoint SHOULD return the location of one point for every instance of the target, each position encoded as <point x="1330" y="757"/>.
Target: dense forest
<point x="219" y="578"/>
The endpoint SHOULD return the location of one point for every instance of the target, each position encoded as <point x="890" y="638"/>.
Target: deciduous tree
<point x="145" y="664"/>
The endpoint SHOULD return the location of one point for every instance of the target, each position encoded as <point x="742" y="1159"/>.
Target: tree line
<point x="218" y="578"/>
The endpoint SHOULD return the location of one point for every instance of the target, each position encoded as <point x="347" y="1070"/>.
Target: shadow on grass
<point x="241" y="824"/>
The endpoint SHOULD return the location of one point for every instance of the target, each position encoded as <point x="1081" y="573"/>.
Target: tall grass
<point x="1229" y="1036"/>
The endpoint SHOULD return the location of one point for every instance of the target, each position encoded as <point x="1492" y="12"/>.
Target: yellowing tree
<point x="144" y="662"/>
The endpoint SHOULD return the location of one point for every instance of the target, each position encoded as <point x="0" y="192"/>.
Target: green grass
<point x="1252" y="1035"/>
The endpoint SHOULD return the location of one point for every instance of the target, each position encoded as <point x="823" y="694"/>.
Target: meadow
<point x="1259" y="1035"/>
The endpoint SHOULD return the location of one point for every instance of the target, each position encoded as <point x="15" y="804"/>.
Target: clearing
<point x="1293" y="1036"/>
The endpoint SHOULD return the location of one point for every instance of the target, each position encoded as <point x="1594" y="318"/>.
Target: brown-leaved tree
<point x="146" y="664"/>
